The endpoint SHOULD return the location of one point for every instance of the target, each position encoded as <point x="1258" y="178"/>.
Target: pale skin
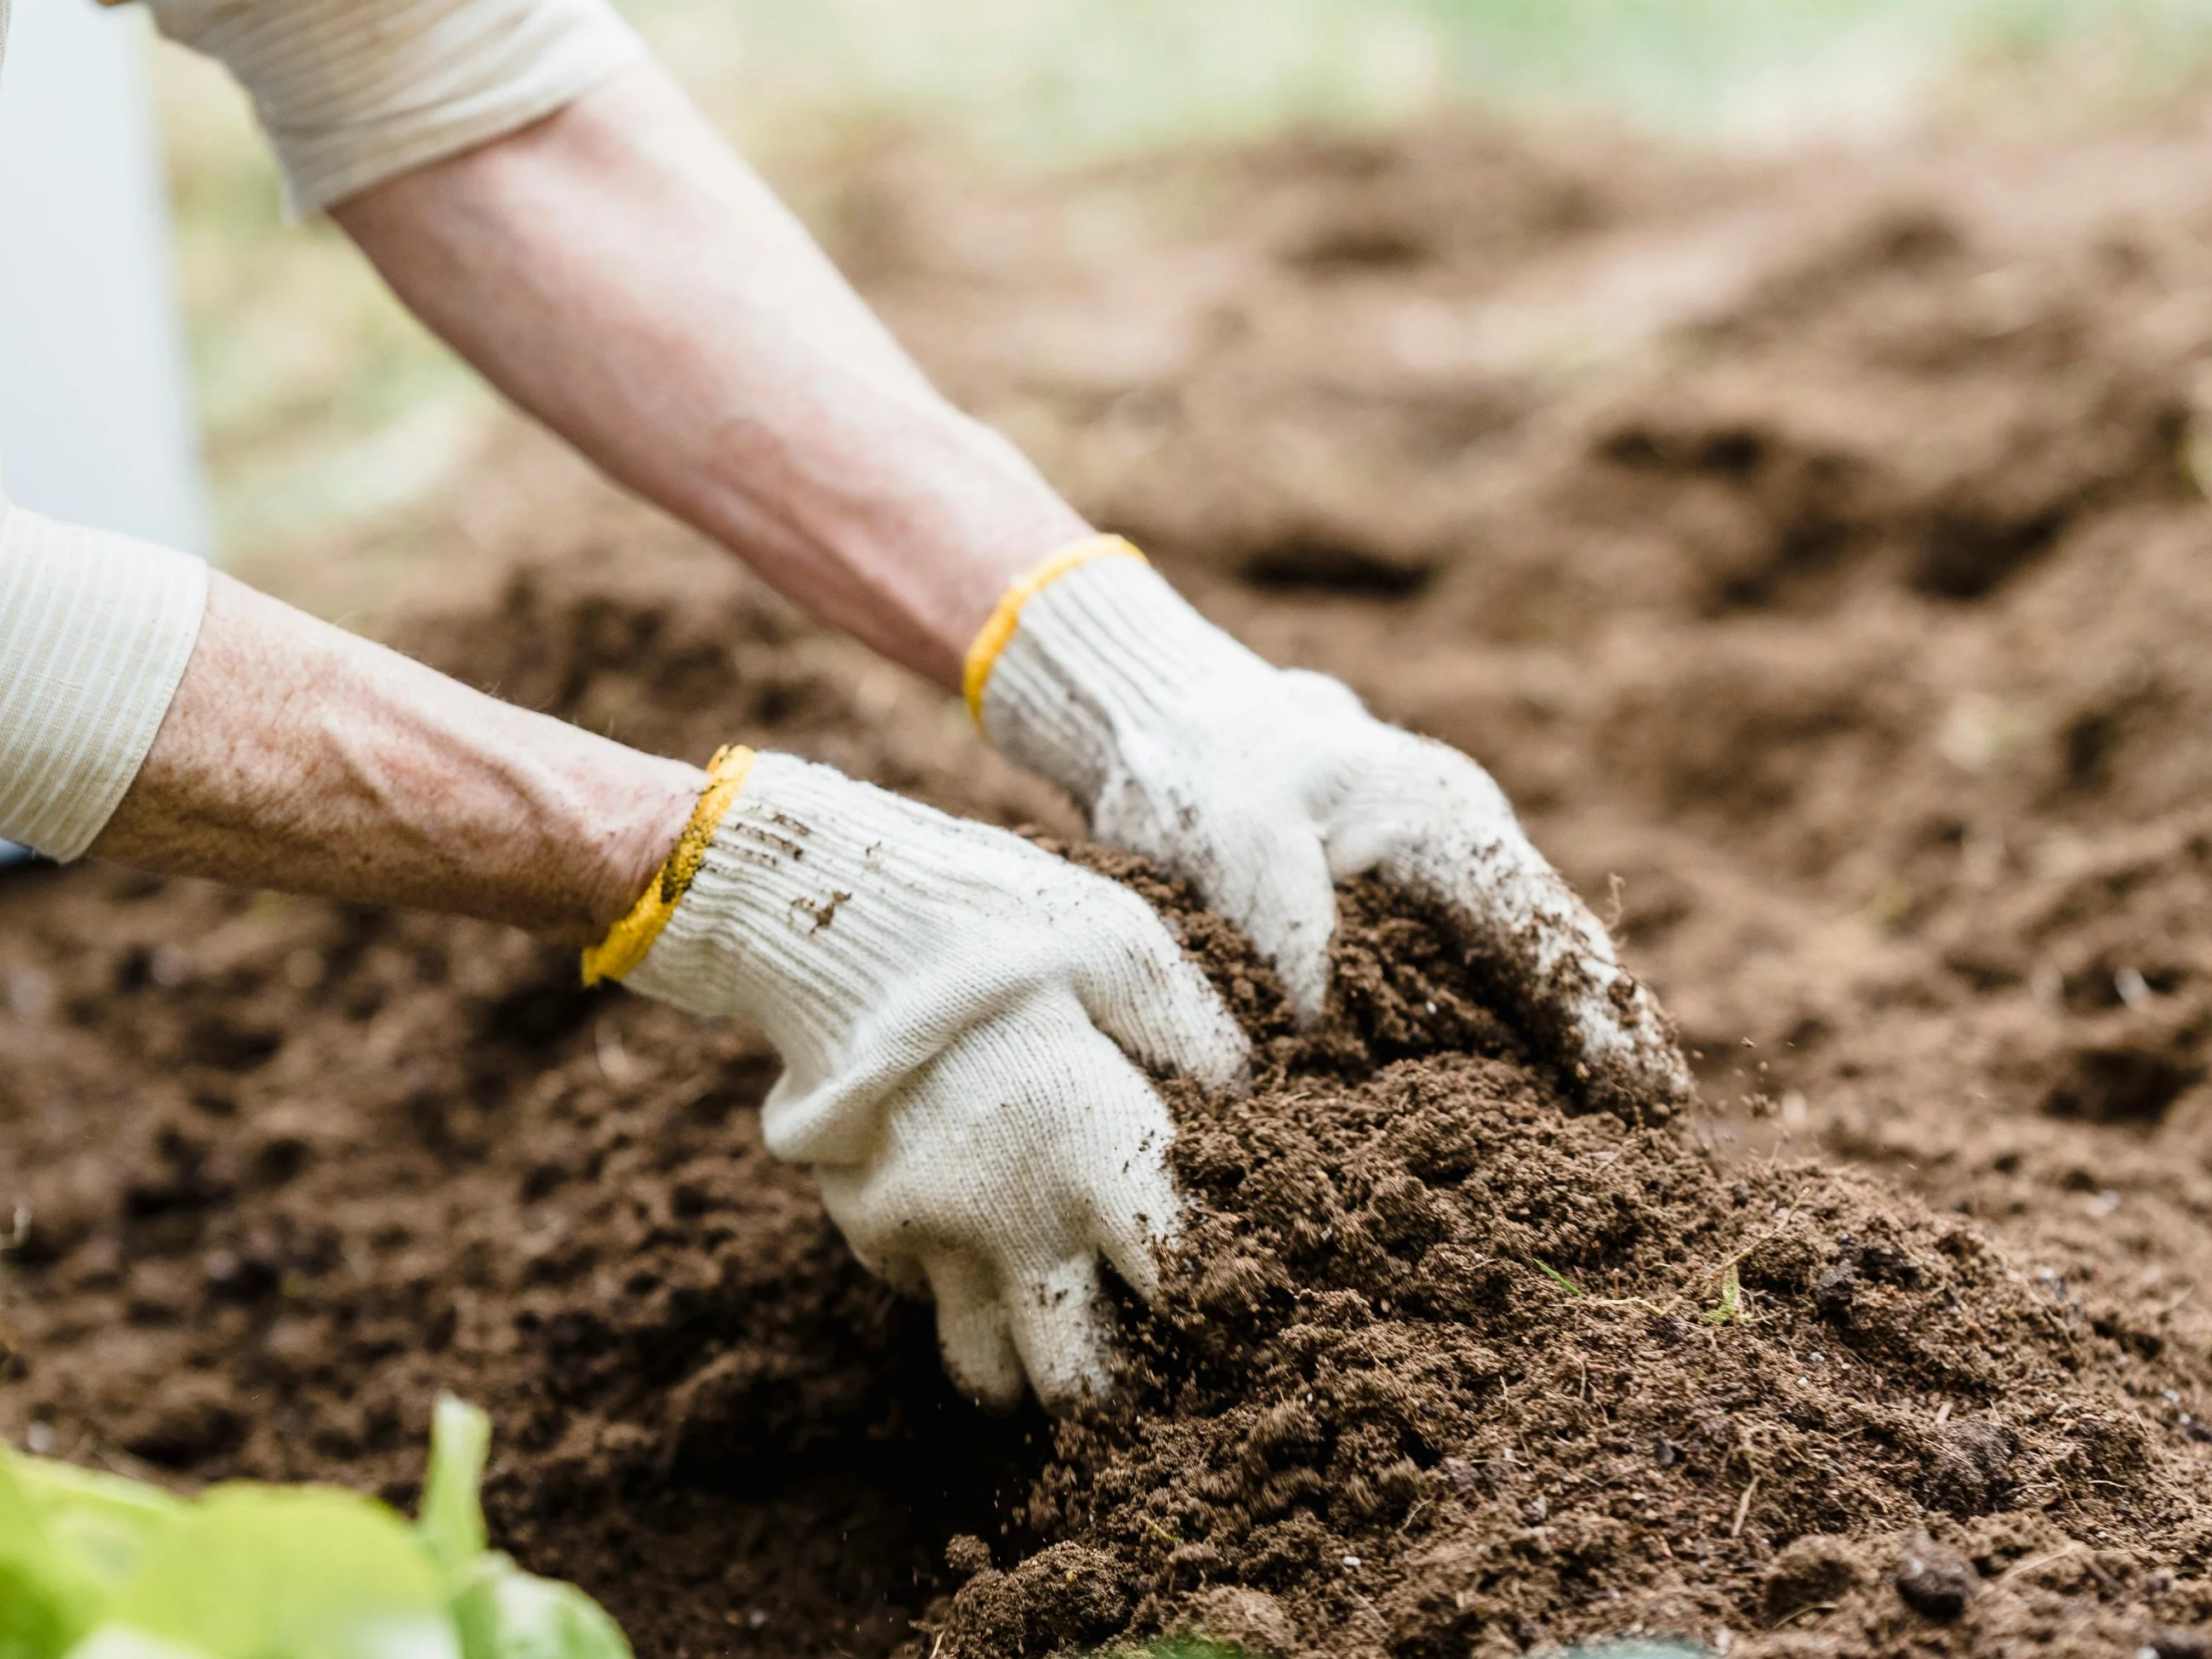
<point x="620" y="273"/>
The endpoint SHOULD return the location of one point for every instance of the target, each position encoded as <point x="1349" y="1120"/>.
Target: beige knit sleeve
<point x="355" y="92"/>
<point x="95" y="630"/>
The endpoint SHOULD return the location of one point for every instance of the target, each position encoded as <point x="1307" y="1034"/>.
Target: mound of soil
<point x="1816" y="553"/>
<point x="1445" y="1368"/>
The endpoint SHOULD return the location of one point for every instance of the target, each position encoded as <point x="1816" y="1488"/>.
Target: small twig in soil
<point x="1743" y="1508"/>
<point x="1790" y="1618"/>
<point x="1648" y="1307"/>
<point x="2034" y="1562"/>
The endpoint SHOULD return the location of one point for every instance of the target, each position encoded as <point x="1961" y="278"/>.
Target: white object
<point x="95" y="629"/>
<point x="957" y="1012"/>
<point x="1264" y="786"/>
<point x="355" y="92"/>
<point x="96" y="418"/>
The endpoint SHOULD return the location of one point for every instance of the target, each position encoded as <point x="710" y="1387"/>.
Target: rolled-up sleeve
<point x="95" y="630"/>
<point x="355" y="92"/>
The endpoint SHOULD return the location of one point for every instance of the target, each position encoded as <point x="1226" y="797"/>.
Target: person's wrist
<point x="823" y="911"/>
<point x="1086" y="649"/>
<point x="646" y="812"/>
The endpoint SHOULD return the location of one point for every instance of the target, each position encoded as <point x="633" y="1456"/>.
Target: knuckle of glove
<point x="1012" y="1161"/>
<point x="1310" y="694"/>
<point x="1434" y="823"/>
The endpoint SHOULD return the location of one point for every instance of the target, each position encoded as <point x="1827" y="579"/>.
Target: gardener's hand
<point x="1264" y="786"/>
<point x="962" y="1018"/>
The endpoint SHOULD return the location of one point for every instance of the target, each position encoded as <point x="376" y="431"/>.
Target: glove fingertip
<point x="975" y="1338"/>
<point x="1147" y="1219"/>
<point x="1304" y="971"/>
<point x="1163" y="1011"/>
<point x="1220" y="1058"/>
<point x="1272" y="881"/>
<point x="1062" y="1336"/>
<point x="1203" y="1040"/>
<point x="1632" y="1061"/>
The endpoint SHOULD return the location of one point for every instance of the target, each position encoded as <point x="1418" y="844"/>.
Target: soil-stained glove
<point x="1264" y="786"/>
<point x="962" y="1018"/>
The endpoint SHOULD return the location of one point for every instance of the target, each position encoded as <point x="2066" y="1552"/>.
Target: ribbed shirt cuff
<point x="95" y="630"/>
<point x="355" y="92"/>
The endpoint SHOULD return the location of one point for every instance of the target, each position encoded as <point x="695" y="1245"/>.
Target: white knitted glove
<point x="1264" y="786"/>
<point x="958" y="1012"/>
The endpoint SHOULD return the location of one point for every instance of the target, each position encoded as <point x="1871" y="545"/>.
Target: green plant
<point x="1556" y="1276"/>
<point x="1729" y="1310"/>
<point x="92" y="1566"/>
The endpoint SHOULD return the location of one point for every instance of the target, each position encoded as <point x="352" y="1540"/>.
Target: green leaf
<point x="122" y="1641"/>
<point x="500" y="1612"/>
<point x="290" y="1573"/>
<point x="452" y="1525"/>
<point x="101" y="1523"/>
<point x="1729" y="1310"/>
<point x="508" y="1614"/>
<point x="46" y="1600"/>
<point x="1556" y="1276"/>
<point x="95" y="1567"/>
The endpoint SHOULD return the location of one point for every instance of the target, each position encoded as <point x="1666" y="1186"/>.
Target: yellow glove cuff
<point x="627" y="944"/>
<point x="983" y="655"/>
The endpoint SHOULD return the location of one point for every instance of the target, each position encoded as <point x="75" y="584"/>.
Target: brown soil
<point x="1812" y="551"/>
<point x="1447" y="1368"/>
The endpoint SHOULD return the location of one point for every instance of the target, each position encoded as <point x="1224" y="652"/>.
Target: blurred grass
<point x="325" y="406"/>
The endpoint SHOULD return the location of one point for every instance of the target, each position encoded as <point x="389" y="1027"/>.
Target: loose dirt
<point x="1449" y="1368"/>
<point x="1815" y="552"/>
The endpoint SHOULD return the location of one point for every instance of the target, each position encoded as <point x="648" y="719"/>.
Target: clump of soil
<point x="1446" y="1367"/>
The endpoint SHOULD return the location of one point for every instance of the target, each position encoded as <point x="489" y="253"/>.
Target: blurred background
<point x="318" y="405"/>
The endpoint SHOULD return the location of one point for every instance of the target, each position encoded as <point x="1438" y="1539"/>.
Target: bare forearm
<point x="622" y="274"/>
<point x="299" y="757"/>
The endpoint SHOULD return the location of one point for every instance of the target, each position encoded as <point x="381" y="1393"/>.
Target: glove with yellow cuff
<point x="962" y="1018"/>
<point x="1264" y="786"/>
